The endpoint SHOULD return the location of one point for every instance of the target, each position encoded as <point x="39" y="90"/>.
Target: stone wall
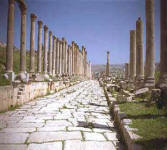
<point x="12" y="96"/>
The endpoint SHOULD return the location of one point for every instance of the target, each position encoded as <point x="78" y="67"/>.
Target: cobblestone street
<point x="76" y="118"/>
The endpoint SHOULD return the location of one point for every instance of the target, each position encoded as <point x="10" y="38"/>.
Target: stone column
<point x="32" y="44"/>
<point x="108" y="64"/>
<point x="65" y="58"/>
<point x="132" y="63"/>
<point x="39" y="59"/>
<point x="71" y="61"/>
<point x="10" y="31"/>
<point x="57" y="57"/>
<point x="60" y="58"/>
<point x="126" y="71"/>
<point x="54" y="56"/>
<point x="50" y="54"/>
<point x="150" y="52"/>
<point x="23" y="39"/>
<point x="73" y="58"/>
<point x="139" y="53"/>
<point x="68" y="60"/>
<point x="163" y="52"/>
<point x="45" y="49"/>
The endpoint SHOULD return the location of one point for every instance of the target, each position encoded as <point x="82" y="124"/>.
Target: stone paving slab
<point x="75" y="118"/>
<point x="46" y="146"/>
<point x="89" y="145"/>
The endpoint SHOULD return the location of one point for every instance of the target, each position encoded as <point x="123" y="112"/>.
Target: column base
<point x="149" y="82"/>
<point x="23" y="77"/>
<point x="10" y="76"/>
<point x="139" y="83"/>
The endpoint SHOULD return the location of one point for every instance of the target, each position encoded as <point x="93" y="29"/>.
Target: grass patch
<point x="152" y="131"/>
<point x="140" y="110"/>
<point x="3" y="81"/>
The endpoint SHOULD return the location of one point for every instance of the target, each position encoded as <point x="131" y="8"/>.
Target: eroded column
<point x="60" y="57"/>
<point x="132" y="62"/>
<point x="57" y="57"/>
<point x="39" y="59"/>
<point x="50" y="54"/>
<point x="32" y="44"/>
<point x="54" y="56"/>
<point x="163" y="53"/>
<point x="126" y="71"/>
<point x="10" y="31"/>
<point x="139" y="53"/>
<point x="150" y="51"/>
<point x="45" y="49"/>
<point x="108" y="64"/>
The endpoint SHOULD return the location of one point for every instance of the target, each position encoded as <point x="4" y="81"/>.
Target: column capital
<point x="23" y="9"/>
<point x="45" y="28"/>
<point x="50" y="33"/>
<point x="33" y="17"/>
<point x="40" y="23"/>
<point x="11" y="1"/>
<point x="54" y="37"/>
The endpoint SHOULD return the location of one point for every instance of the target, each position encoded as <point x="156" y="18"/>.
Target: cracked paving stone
<point x="13" y="138"/>
<point x="94" y="136"/>
<point x="13" y="147"/>
<point x="46" y="146"/>
<point x="76" y="118"/>
<point x="88" y="145"/>
<point x="41" y="137"/>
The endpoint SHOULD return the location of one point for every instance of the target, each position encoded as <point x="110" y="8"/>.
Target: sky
<point x="99" y="25"/>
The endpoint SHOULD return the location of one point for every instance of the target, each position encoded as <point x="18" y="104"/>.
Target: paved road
<point x="76" y="118"/>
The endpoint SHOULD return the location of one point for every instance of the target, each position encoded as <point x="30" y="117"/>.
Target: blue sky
<point x="99" y="25"/>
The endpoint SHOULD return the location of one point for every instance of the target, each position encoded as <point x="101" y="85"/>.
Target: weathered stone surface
<point x="13" y="138"/>
<point x="13" y="147"/>
<point x="94" y="136"/>
<point x="78" y="113"/>
<point x="46" y="146"/>
<point x="40" y="137"/>
<point x="89" y="145"/>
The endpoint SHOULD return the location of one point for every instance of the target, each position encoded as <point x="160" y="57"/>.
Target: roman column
<point x="10" y="31"/>
<point x="65" y="60"/>
<point x="139" y="53"/>
<point x="132" y="63"/>
<point x="39" y="59"/>
<point x="50" y="54"/>
<point x="150" y="52"/>
<point x="45" y="49"/>
<point x="126" y="71"/>
<point x="23" y="39"/>
<point x="54" y="56"/>
<point x="68" y="60"/>
<point x="57" y="57"/>
<point x="32" y="44"/>
<point x="73" y="58"/>
<point x="108" y="64"/>
<point x="163" y="52"/>
<point x="60" y="57"/>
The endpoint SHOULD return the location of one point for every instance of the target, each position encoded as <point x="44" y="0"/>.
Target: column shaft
<point x="132" y="55"/>
<point x="50" y="54"/>
<point x="32" y="44"/>
<point x="54" y="55"/>
<point x="10" y="32"/>
<point x="139" y="51"/>
<point x="45" y="49"/>
<point x="39" y="46"/>
<point x="57" y="57"/>
<point x="150" y="54"/>
<point x="23" y="40"/>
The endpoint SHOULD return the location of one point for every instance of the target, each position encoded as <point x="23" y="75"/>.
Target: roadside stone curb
<point x="127" y="133"/>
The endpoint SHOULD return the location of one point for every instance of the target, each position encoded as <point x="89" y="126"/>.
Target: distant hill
<point x="102" y="67"/>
